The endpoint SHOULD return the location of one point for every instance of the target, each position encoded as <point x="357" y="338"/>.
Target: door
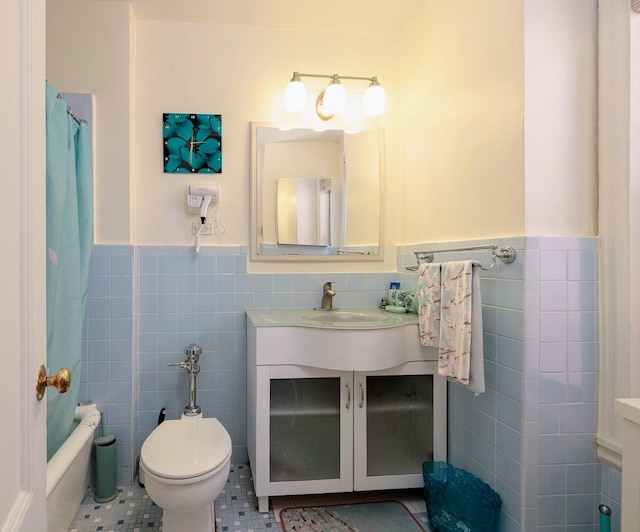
<point x="399" y="422"/>
<point x="22" y="267"/>
<point x="308" y="422"/>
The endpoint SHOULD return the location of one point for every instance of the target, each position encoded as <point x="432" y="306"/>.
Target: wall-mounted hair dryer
<point x="200" y="196"/>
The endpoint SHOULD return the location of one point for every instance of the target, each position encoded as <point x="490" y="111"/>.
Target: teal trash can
<point x="106" y="489"/>
<point x="457" y="501"/>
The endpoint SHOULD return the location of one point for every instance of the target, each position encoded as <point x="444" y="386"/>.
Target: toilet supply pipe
<point x="193" y="353"/>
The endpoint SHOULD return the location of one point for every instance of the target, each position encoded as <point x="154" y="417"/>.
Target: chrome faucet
<point x="327" y="297"/>
<point x="193" y="353"/>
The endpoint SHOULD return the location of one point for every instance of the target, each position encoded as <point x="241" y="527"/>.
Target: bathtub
<point x="67" y="470"/>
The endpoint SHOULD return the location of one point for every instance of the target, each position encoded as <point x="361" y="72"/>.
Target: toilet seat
<point x="186" y="449"/>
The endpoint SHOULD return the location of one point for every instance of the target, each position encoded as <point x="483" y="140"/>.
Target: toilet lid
<point x="186" y="447"/>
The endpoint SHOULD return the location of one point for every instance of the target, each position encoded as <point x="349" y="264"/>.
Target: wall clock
<point x="192" y="143"/>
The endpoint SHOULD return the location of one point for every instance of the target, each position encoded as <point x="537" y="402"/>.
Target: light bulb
<point x="334" y="98"/>
<point x="295" y="95"/>
<point x="374" y="100"/>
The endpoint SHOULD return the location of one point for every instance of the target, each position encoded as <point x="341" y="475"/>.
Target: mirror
<point x="316" y="195"/>
<point x="303" y="211"/>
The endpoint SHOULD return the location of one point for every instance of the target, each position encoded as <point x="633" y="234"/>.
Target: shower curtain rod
<point x="70" y="112"/>
<point x="506" y="254"/>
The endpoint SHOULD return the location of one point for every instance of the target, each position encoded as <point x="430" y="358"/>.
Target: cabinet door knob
<point x="348" y="405"/>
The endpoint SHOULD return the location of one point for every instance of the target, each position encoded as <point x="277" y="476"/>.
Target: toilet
<point x="184" y="464"/>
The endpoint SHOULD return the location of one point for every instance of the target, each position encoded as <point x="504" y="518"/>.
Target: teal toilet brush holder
<point x="106" y="489"/>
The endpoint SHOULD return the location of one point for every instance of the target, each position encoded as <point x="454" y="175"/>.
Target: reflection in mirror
<point x="316" y="195"/>
<point x="303" y="211"/>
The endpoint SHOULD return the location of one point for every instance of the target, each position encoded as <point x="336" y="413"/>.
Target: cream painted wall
<point x="139" y="69"/>
<point x="239" y="72"/>
<point x="561" y="127"/>
<point x="456" y="170"/>
<point x="462" y="117"/>
<point x="88" y="45"/>
<point x="363" y="192"/>
<point x="506" y="143"/>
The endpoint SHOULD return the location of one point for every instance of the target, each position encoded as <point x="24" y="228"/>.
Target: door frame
<point x="22" y="272"/>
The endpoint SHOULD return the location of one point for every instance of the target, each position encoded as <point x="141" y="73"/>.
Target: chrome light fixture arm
<point x="332" y="100"/>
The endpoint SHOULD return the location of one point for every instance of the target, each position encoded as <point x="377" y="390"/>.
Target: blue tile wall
<point x="485" y="431"/>
<point x="147" y="304"/>
<point x="530" y="435"/>
<point x="561" y="307"/>
<point x="109" y="340"/>
<point x="612" y="494"/>
<point x="186" y="299"/>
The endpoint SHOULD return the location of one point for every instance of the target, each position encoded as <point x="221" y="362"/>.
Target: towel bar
<point x="506" y="254"/>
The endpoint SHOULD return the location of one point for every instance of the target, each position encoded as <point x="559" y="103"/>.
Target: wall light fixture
<point x="332" y="100"/>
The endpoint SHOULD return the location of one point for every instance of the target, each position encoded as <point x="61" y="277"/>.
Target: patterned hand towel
<point x="428" y="295"/>
<point x="476" y="371"/>
<point x="461" y="354"/>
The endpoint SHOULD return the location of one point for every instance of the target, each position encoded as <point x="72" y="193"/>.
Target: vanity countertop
<point x="342" y="318"/>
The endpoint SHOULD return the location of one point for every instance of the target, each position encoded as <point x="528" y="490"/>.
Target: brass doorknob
<point x="61" y="381"/>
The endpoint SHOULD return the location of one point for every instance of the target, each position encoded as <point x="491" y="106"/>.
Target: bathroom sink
<point x="343" y="316"/>
<point x="346" y="339"/>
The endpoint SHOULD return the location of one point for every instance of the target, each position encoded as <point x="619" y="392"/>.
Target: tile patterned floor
<point x="236" y="507"/>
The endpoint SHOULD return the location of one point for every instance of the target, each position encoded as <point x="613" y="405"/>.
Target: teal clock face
<point x="192" y="143"/>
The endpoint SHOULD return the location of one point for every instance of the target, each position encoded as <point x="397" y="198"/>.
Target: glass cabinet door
<point x="399" y="423"/>
<point x="399" y="409"/>
<point x="304" y="428"/>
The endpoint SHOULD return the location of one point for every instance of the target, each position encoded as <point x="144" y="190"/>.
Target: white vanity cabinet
<point x="345" y="426"/>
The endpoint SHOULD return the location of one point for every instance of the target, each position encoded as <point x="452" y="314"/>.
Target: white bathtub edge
<point x="89" y="418"/>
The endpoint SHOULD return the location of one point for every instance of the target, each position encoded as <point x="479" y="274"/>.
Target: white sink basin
<point x="350" y="339"/>
<point x="342" y="316"/>
<point x="345" y="318"/>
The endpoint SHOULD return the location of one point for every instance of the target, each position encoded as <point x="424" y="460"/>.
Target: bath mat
<point x="389" y="516"/>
